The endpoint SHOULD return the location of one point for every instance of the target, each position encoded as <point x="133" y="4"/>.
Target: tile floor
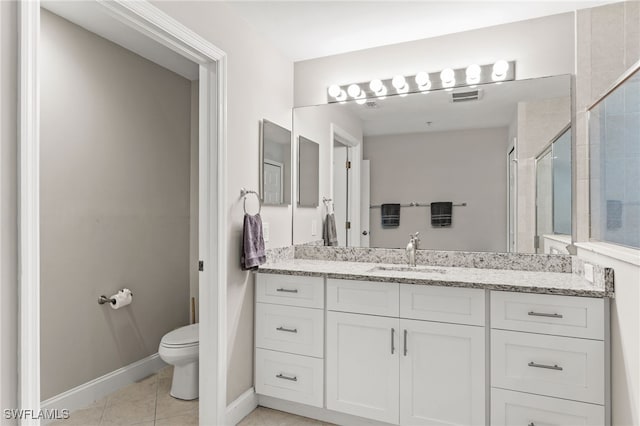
<point x="145" y="403"/>
<point x="148" y="403"/>
<point x="262" y="416"/>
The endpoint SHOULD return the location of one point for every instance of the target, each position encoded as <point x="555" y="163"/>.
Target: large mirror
<point x="275" y="164"/>
<point x="459" y="167"/>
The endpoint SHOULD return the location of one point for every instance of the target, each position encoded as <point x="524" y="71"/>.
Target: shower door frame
<point x="150" y="21"/>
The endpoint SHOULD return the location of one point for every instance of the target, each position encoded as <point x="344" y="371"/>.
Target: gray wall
<point x="115" y="166"/>
<point x="459" y="166"/>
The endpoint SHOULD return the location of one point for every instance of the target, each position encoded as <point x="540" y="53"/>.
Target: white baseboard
<point x="316" y="413"/>
<point x="85" y="394"/>
<point x="241" y="407"/>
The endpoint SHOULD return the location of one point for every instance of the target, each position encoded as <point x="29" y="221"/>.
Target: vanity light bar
<point x="423" y="82"/>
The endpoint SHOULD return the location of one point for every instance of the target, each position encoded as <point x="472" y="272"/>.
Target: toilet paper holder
<point x="104" y="299"/>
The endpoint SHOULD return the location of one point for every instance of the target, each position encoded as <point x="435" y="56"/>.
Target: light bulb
<point x="448" y="77"/>
<point x="376" y="85"/>
<point x="500" y="69"/>
<point x="422" y="80"/>
<point x="399" y="82"/>
<point x="473" y="74"/>
<point x="342" y="96"/>
<point x="354" y="90"/>
<point x="361" y="101"/>
<point x="334" y="90"/>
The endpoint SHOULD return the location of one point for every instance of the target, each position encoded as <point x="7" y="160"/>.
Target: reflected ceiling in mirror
<point x="456" y="166"/>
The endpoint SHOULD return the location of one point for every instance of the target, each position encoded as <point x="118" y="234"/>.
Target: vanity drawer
<point x="548" y="314"/>
<point x="290" y="329"/>
<point x="443" y="304"/>
<point x="562" y="367"/>
<point x="290" y="290"/>
<point x="516" y="408"/>
<point x="290" y="377"/>
<point x="364" y="297"/>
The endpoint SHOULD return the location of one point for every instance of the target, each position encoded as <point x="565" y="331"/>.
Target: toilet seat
<point x="182" y="337"/>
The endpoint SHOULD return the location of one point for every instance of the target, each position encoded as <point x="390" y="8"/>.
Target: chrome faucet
<point x="414" y="242"/>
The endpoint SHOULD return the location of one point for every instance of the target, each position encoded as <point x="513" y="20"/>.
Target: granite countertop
<point x="568" y="284"/>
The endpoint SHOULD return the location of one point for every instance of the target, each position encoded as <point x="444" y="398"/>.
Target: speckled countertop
<point x="569" y="284"/>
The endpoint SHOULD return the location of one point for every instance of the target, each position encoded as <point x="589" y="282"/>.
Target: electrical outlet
<point x="265" y="231"/>
<point x="314" y="227"/>
<point x="588" y="272"/>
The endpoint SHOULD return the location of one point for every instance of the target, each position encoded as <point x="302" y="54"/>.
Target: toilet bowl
<point x="180" y="348"/>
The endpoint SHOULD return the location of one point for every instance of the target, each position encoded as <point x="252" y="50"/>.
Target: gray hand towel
<point x="390" y="215"/>
<point x="253" y="253"/>
<point x="329" y="233"/>
<point x="441" y="214"/>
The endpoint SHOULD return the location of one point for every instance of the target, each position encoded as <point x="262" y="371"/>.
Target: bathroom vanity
<point x="355" y="342"/>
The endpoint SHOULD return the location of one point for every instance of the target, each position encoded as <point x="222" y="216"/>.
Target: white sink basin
<point x="424" y="269"/>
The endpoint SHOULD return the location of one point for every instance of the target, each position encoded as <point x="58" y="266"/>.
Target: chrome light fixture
<point x="423" y="82"/>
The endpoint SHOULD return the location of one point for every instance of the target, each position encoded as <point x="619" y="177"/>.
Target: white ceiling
<point x="304" y="29"/>
<point x="496" y="107"/>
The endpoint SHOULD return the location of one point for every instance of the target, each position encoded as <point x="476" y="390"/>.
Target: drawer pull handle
<point x="393" y="346"/>
<point x="542" y="314"/>
<point x="405" y="342"/>
<point x="283" y="377"/>
<point x="287" y="290"/>
<point x="288" y="330"/>
<point x="550" y="367"/>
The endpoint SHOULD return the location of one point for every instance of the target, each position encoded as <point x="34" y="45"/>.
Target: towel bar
<point x="414" y="204"/>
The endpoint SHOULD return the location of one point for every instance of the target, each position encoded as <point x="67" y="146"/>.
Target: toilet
<point x="180" y="348"/>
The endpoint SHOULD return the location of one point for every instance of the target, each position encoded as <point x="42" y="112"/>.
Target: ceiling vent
<point x="371" y="105"/>
<point x="467" y="95"/>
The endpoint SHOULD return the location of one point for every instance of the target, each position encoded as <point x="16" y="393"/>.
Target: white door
<point x="442" y="374"/>
<point x="362" y="365"/>
<point x="273" y="182"/>
<point x="365" y="200"/>
<point x="341" y="192"/>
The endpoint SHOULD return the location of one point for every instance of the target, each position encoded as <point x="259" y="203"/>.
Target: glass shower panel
<point x="544" y="198"/>
<point x="561" y="150"/>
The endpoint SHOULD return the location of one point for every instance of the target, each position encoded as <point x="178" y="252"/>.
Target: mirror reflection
<point x="458" y="167"/>
<point x="275" y="163"/>
<point x="308" y="172"/>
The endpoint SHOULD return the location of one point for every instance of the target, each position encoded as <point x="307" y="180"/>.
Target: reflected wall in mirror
<point x="386" y="161"/>
<point x="275" y="164"/>
<point x="308" y="172"/>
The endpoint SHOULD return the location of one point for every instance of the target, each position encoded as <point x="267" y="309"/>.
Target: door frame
<point x="145" y="18"/>
<point x="350" y="141"/>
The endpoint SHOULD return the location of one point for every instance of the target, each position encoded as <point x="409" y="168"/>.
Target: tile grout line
<point x="155" y="405"/>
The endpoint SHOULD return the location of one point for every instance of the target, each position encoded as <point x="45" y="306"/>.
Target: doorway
<point x="148" y="22"/>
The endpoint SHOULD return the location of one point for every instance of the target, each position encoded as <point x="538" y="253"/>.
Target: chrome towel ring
<point x="243" y="193"/>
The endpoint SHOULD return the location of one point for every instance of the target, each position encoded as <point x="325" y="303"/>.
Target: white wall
<point x="607" y="44"/>
<point x="541" y="47"/>
<point x="459" y="166"/>
<point x="8" y="206"/>
<point x="260" y="85"/>
<point x="315" y="123"/>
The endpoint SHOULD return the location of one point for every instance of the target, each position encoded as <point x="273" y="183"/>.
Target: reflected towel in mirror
<point x="329" y="233"/>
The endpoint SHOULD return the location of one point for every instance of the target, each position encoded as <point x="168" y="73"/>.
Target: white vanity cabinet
<point x="363" y="352"/>
<point x="362" y="365"/>
<point x="402" y="370"/>
<point x="549" y="362"/>
<point x="289" y="324"/>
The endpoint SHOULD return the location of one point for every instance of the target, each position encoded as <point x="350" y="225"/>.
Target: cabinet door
<point x="362" y="365"/>
<point x="442" y="374"/>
